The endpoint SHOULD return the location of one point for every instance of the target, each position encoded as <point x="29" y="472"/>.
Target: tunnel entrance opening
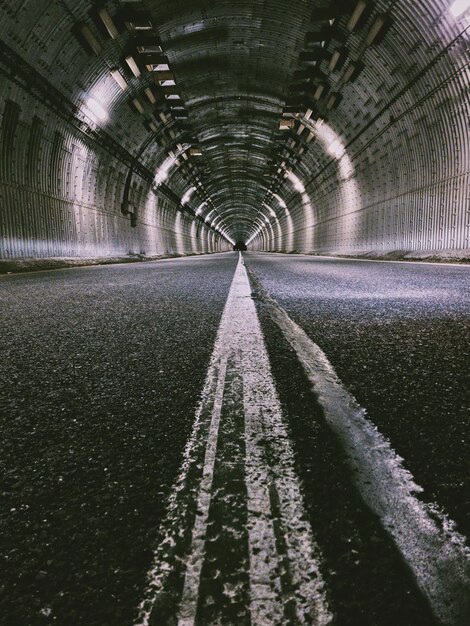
<point x="240" y="246"/>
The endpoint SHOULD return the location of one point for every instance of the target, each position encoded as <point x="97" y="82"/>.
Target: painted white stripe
<point x="435" y="552"/>
<point x="162" y="564"/>
<point x="190" y="597"/>
<point x="240" y="338"/>
<point x="265" y="430"/>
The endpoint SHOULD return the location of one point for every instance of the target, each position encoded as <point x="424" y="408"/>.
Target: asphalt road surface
<point x="179" y="450"/>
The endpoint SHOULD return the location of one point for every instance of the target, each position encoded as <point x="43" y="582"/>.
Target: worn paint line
<point x="268" y="465"/>
<point x="190" y="597"/>
<point x="435" y="552"/>
<point x="163" y="562"/>
<point x="266" y="433"/>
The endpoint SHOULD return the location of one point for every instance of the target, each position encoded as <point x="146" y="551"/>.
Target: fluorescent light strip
<point x="119" y="78"/>
<point x="133" y="66"/>
<point x="89" y="37"/>
<point x="150" y="96"/>
<point x="375" y="29"/>
<point x="356" y="16"/>
<point x="109" y="23"/>
<point x="138" y="105"/>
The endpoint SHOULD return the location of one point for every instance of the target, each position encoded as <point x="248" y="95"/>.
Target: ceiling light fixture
<point x="376" y="28"/>
<point x="119" y="78"/>
<point x="148" y="92"/>
<point x="133" y="66"/>
<point x="89" y="37"/>
<point x="286" y="124"/>
<point x="138" y="105"/>
<point x="356" y="15"/>
<point x="109" y="23"/>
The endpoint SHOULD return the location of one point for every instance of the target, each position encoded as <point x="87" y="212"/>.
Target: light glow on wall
<point x="97" y="111"/>
<point x="459" y="7"/>
<point x="208" y="215"/>
<point x="164" y="170"/>
<point x="187" y="196"/>
<point x="200" y="208"/>
<point x="307" y="207"/>
<point x="348" y="190"/>
<point x="334" y="146"/>
<point x="280" y="200"/>
<point x="296" y="182"/>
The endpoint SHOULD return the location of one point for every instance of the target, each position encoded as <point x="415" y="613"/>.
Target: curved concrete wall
<point x="389" y="170"/>
<point x="385" y="168"/>
<point x="62" y="173"/>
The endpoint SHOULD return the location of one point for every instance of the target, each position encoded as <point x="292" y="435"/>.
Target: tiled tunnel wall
<point x="62" y="176"/>
<point x="403" y="180"/>
<point x="385" y="169"/>
<point x="60" y="195"/>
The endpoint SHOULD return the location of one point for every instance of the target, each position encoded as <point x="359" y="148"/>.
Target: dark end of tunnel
<point x="240" y="246"/>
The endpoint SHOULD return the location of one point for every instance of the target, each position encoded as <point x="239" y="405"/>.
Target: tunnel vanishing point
<point x="160" y="127"/>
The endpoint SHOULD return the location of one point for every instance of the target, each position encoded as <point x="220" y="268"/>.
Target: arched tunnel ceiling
<point x="241" y="103"/>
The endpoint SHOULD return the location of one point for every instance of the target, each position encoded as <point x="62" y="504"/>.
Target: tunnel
<point x="235" y="312"/>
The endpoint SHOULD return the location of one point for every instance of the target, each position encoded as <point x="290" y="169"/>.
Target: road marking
<point x="435" y="552"/>
<point x="281" y="544"/>
<point x="189" y="600"/>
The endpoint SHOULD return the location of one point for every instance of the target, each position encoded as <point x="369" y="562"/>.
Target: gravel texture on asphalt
<point x="398" y="335"/>
<point x="101" y="370"/>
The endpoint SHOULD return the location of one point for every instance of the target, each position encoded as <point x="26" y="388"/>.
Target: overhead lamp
<point x="352" y="71"/>
<point x="149" y="48"/>
<point x="167" y="83"/>
<point x="172" y="96"/>
<point x="149" y="93"/>
<point x="337" y="59"/>
<point x="89" y="37"/>
<point x="195" y="151"/>
<point x="356" y="15"/>
<point x="286" y="124"/>
<point x="319" y="91"/>
<point x="133" y="65"/>
<point x="109" y="23"/>
<point x="377" y="28"/>
<point x="119" y="78"/>
<point x="138" y="105"/>
<point x="333" y="101"/>
<point x="459" y="7"/>
<point x="138" y="21"/>
<point x="158" y="67"/>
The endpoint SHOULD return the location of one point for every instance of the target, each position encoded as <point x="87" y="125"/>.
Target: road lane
<point x="433" y="551"/>
<point x="283" y="570"/>
<point x="105" y="437"/>
<point x="398" y="335"/>
<point x="101" y="370"/>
